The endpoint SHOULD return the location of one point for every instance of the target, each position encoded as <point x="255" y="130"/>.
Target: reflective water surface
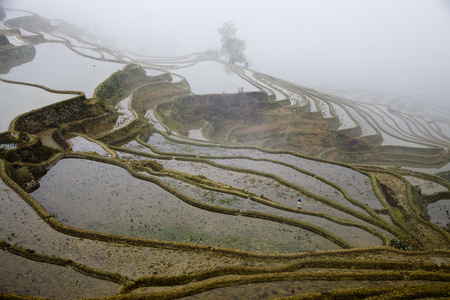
<point x="69" y="70"/>
<point x="103" y="197"/>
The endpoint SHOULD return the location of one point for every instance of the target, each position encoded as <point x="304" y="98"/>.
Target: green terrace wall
<point x="55" y="115"/>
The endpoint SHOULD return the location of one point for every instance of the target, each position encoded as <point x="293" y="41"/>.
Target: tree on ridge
<point x="232" y="46"/>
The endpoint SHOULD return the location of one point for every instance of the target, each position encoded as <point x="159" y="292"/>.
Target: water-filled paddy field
<point x="125" y="115"/>
<point x="356" y="184"/>
<point x="307" y="182"/>
<point x="69" y="71"/>
<point x="81" y="144"/>
<point x="287" y="167"/>
<point x="353" y="235"/>
<point x="102" y="197"/>
<point x="46" y="280"/>
<point x="211" y="77"/>
<point x="440" y="212"/>
<point x="49" y="280"/>
<point x="257" y="184"/>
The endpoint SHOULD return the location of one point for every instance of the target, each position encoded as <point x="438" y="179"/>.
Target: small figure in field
<point x="299" y="204"/>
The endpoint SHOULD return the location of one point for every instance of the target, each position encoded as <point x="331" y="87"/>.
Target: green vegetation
<point x="110" y="91"/>
<point x="57" y="115"/>
<point x="35" y="154"/>
<point x="402" y="245"/>
<point x="153" y="165"/>
<point x="232" y="46"/>
<point x="347" y="143"/>
<point x="28" y="149"/>
<point x="445" y="175"/>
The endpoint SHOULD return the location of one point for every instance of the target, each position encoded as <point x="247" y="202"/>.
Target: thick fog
<point x="384" y="45"/>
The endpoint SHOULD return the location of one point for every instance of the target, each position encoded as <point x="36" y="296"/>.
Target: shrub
<point x="198" y="178"/>
<point x="155" y="166"/>
<point x="402" y="245"/>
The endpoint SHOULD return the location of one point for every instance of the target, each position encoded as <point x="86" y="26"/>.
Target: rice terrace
<point x="133" y="177"/>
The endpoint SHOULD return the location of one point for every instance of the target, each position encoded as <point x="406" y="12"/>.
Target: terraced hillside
<point x="161" y="187"/>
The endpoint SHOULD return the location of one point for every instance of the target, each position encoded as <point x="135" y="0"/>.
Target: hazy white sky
<point x="393" y="45"/>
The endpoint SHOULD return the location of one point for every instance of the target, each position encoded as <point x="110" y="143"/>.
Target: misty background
<point x="394" y="46"/>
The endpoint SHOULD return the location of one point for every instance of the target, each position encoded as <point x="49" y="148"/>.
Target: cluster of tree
<point x="232" y="46"/>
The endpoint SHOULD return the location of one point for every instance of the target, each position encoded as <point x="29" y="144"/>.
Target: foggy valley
<point x="224" y="149"/>
<point x="387" y="46"/>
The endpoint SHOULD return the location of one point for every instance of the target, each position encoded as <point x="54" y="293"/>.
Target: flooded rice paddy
<point x="24" y="32"/>
<point x="353" y="235"/>
<point x="313" y="103"/>
<point x="69" y="72"/>
<point x="439" y="213"/>
<point x="426" y="187"/>
<point x="196" y="134"/>
<point x="392" y="132"/>
<point x="324" y="109"/>
<point x="152" y="119"/>
<point x="258" y="185"/>
<point x="7" y="146"/>
<point x="16" y="41"/>
<point x="30" y="278"/>
<point x="88" y="52"/>
<point x="366" y="128"/>
<point x="80" y="144"/>
<point x="125" y="115"/>
<point x="3" y="26"/>
<point x="212" y="77"/>
<point x="102" y="197"/>
<point x="302" y="180"/>
<point x="12" y="14"/>
<point x="270" y="91"/>
<point x="355" y="183"/>
<point x="345" y="122"/>
<point x="33" y="278"/>
<point x="287" y="289"/>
